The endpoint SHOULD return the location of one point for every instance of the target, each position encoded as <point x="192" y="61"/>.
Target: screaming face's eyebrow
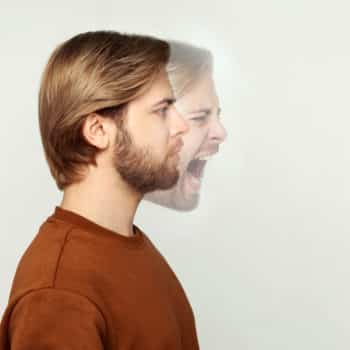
<point x="206" y="111"/>
<point x="168" y="100"/>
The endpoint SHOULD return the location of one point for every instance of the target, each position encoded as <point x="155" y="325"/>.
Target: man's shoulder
<point x="54" y="257"/>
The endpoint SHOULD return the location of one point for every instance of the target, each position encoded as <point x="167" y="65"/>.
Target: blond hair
<point x="187" y="63"/>
<point x="98" y="71"/>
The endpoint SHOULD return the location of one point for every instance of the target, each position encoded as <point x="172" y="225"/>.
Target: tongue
<point x="196" y="167"/>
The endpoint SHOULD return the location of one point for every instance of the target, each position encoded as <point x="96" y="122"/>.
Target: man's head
<point x="105" y="100"/>
<point x="190" y="73"/>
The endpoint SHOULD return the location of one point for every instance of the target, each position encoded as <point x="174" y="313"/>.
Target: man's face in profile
<point x="145" y="150"/>
<point x="200" y="108"/>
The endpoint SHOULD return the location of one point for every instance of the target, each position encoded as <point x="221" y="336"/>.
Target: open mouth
<point x="196" y="167"/>
<point x="194" y="173"/>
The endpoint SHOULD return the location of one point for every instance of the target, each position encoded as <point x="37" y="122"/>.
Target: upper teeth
<point x="204" y="157"/>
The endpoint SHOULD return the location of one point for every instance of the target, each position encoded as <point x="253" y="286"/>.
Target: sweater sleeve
<point x="55" y="319"/>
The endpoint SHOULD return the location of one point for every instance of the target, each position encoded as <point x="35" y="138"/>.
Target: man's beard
<point x="139" y="168"/>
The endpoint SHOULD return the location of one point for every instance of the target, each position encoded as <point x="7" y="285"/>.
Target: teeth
<point x="204" y="157"/>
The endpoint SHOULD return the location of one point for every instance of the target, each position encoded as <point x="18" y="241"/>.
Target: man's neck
<point x="107" y="201"/>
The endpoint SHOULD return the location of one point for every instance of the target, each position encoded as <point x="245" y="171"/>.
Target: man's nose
<point x="217" y="131"/>
<point x="179" y="124"/>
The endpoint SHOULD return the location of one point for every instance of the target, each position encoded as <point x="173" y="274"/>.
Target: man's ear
<point x="96" y="130"/>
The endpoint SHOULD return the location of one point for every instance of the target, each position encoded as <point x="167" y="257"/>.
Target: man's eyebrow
<point x="206" y="111"/>
<point x="168" y="100"/>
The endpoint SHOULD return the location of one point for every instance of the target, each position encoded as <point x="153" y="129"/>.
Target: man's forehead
<point x="158" y="90"/>
<point x="195" y="102"/>
<point x="203" y="89"/>
<point x="161" y="84"/>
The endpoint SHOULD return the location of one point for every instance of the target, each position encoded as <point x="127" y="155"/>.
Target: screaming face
<point x="200" y="108"/>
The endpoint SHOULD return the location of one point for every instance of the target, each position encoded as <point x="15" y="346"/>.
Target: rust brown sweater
<point x="82" y="286"/>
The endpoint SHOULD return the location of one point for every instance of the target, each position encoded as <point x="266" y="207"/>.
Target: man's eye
<point x="163" y="111"/>
<point x="200" y="118"/>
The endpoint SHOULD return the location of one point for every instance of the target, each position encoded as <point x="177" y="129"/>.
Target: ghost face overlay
<point x="200" y="108"/>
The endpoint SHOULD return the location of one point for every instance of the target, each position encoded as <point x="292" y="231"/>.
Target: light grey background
<point x="265" y="258"/>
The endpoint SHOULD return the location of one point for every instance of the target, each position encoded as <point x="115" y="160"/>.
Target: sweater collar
<point x="68" y="216"/>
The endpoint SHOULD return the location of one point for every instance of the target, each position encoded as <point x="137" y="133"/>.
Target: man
<point x="191" y="77"/>
<point x="91" y="279"/>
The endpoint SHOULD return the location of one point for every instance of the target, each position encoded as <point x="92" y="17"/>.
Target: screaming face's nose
<point x="217" y="131"/>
